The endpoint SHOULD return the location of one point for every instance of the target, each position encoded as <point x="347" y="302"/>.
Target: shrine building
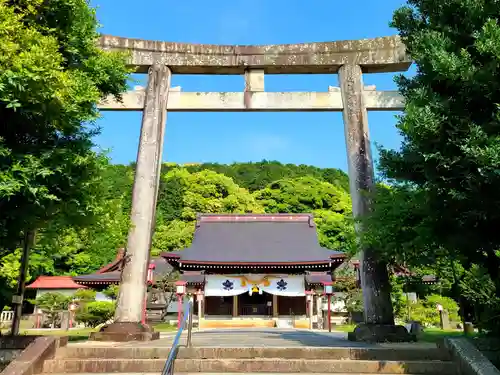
<point x="256" y="270"/>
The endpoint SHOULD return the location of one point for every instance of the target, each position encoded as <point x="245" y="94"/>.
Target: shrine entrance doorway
<point x="255" y="304"/>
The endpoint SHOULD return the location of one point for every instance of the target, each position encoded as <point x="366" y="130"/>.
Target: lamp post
<point x="180" y="290"/>
<point x="328" y="290"/>
<point x="72" y="307"/>
<point x="39" y="313"/>
<point x="149" y="282"/>
<point x="441" y="321"/>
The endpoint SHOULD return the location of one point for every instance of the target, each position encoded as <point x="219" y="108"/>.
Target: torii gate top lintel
<point x="377" y="55"/>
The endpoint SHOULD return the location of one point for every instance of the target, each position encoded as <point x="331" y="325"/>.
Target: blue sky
<point x="300" y="138"/>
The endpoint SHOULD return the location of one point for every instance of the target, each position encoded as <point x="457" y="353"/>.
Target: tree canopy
<point x="52" y="75"/>
<point x="450" y="154"/>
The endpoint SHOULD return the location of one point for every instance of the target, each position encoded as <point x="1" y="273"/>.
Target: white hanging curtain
<point x="288" y="286"/>
<point x="223" y="286"/>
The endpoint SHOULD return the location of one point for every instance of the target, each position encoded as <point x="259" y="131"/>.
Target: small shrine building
<point x="249" y="270"/>
<point x="107" y="275"/>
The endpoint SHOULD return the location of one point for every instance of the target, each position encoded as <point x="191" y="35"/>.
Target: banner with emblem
<point x="223" y="286"/>
<point x="288" y="286"/>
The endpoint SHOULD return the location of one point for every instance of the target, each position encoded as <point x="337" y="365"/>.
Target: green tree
<point x="185" y="194"/>
<point x="83" y="296"/>
<point x="112" y="291"/>
<point x="477" y="287"/>
<point x="52" y="304"/>
<point x="52" y="74"/>
<point x="399" y="227"/>
<point x="95" y="313"/>
<point x="450" y="127"/>
<point x="330" y="204"/>
<point x="256" y="176"/>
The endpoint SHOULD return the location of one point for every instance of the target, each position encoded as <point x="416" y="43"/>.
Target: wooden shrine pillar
<point x="201" y="304"/>
<point x="235" y="306"/>
<point x="127" y="325"/>
<point x="275" y="306"/>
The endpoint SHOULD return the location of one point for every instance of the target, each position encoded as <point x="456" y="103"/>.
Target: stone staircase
<point x="373" y="360"/>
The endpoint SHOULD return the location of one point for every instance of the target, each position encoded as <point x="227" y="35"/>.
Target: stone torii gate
<point x="349" y="59"/>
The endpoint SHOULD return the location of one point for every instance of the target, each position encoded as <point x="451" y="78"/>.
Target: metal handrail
<point x="168" y="369"/>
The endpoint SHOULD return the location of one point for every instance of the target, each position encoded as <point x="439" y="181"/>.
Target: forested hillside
<point x="264" y="187"/>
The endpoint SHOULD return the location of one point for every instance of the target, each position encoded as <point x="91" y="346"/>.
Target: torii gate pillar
<point x="130" y="304"/>
<point x="378" y="313"/>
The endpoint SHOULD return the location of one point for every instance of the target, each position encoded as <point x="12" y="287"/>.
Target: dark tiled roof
<point x="161" y="267"/>
<point x="285" y="238"/>
<point x="111" y="277"/>
<point x="318" y="278"/>
<point x="193" y="278"/>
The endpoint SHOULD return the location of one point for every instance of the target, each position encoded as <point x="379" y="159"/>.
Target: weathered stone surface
<point x="468" y="358"/>
<point x="125" y="331"/>
<point x="380" y="354"/>
<point x="385" y="54"/>
<point x="380" y="333"/>
<point x="255" y="101"/>
<point x="7" y="356"/>
<point x="270" y="365"/>
<point x="30" y="361"/>
<point x="130" y="304"/>
<point x="16" y="342"/>
<point x="374" y="275"/>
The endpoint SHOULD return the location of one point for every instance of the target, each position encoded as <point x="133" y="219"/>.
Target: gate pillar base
<point x="126" y="331"/>
<point x="380" y="333"/>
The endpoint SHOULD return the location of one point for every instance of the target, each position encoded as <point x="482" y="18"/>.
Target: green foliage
<point x="256" y="176"/>
<point x="330" y="205"/>
<point x="95" y="313"/>
<point x="352" y="295"/>
<point x="192" y="193"/>
<point x="440" y="213"/>
<point x="52" y="73"/>
<point x="426" y="311"/>
<point x="112" y="291"/>
<point x="478" y="288"/>
<point x="52" y="304"/>
<point x="398" y="297"/>
<point x="84" y="295"/>
<point x="450" y="127"/>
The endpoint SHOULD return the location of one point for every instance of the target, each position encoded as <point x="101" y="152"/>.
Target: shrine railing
<point x="186" y="322"/>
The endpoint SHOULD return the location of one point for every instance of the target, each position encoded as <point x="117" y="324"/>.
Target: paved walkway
<point x="272" y="337"/>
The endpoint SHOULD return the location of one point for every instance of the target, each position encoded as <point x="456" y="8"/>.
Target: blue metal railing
<point x="186" y="321"/>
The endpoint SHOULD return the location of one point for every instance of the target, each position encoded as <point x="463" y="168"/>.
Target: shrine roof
<point x="54" y="282"/>
<point x="318" y="278"/>
<point x="235" y="239"/>
<point x="111" y="275"/>
<point x="193" y="278"/>
<point x="99" y="278"/>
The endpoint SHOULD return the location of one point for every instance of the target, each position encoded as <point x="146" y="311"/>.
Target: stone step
<point x="269" y="365"/>
<point x="217" y="373"/>
<point x="380" y="354"/>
